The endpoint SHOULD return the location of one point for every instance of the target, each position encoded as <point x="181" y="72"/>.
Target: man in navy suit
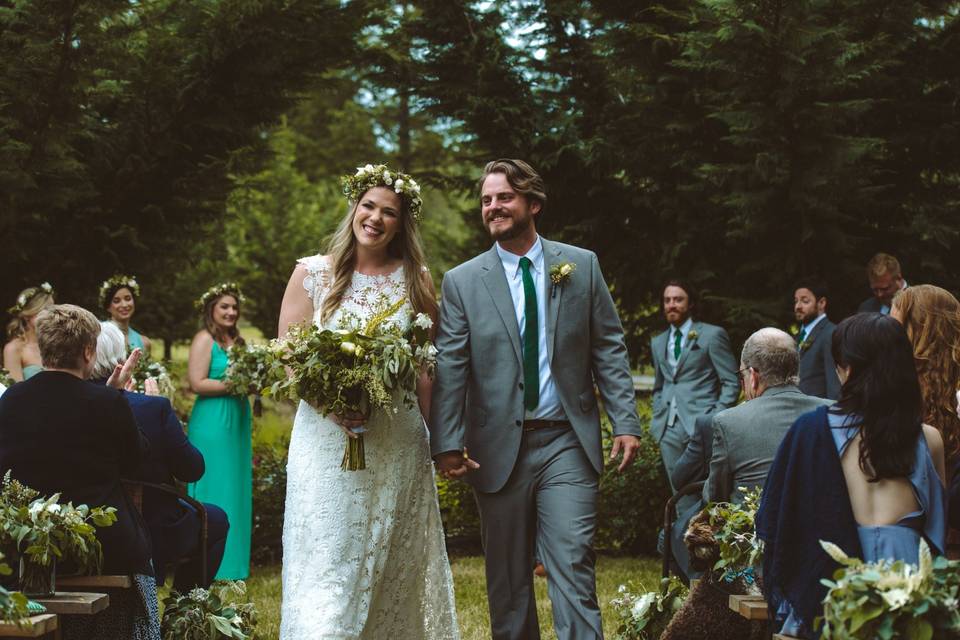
<point x="173" y="524"/>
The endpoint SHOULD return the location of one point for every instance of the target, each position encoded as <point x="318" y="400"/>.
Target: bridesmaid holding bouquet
<point x="220" y="426"/>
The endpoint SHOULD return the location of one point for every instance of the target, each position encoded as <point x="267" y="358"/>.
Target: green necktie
<point x="677" y="337"/>
<point x="531" y="340"/>
<point x="801" y="336"/>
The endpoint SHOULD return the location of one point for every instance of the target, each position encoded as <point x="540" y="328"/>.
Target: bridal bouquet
<point x="891" y="599"/>
<point x="251" y="370"/>
<point x="354" y="371"/>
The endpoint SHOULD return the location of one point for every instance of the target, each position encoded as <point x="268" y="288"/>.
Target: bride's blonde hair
<point x="406" y="245"/>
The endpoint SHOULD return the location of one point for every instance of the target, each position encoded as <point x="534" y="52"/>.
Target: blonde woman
<point x="363" y="551"/>
<point x="21" y="355"/>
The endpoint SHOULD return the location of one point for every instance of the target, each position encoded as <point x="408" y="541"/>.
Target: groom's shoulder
<point x="577" y="253"/>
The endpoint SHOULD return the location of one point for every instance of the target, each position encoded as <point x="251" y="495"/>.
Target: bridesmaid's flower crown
<point x="370" y="176"/>
<point x="222" y="289"/>
<point x="116" y="283"/>
<point x="24" y="298"/>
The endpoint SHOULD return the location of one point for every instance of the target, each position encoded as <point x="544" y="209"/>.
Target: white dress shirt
<point x="674" y="361"/>
<point x="550" y="407"/>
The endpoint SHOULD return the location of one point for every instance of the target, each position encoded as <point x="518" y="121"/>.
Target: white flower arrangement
<point x="217" y="290"/>
<point x="643" y="615"/>
<point x="370" y="176"/>
<point x="29" y="294"/>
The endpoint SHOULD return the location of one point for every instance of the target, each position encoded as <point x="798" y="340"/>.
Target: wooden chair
<point x="669" y="515"/>
<point x="134" y="489"/>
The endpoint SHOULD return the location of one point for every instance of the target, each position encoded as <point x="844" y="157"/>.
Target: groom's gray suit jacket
<point x="478" y="391"/>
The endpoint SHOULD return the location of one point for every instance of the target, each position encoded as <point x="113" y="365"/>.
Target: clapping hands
<point x="122" y="376"/>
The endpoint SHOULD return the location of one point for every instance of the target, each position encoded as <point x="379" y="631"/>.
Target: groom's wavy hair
<point x="522" y="178"/>
<point x="883" y="390"/>
<point x="406" y="245"/>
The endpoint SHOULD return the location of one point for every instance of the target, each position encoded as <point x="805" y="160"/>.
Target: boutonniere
<point x="560" y="273"/>
<point x="692" y="335"/>
<point x="804" y="346"/>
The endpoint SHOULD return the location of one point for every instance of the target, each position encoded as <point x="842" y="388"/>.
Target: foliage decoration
<point x="741" y="551"/>
<point x="642" y="614"/>
<point x="113" y="284"/>
<point x="370" y="176"/>
<point x="218" y="290"/>
<point x="209" y="614"/>
<point x="29" y="294"/>
<point x="885" y="599"/>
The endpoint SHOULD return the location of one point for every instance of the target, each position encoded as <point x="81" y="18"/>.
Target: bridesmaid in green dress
<point x="118" y="297"/>
<point x="21" y="355"/>
<point x="220" y="427"/>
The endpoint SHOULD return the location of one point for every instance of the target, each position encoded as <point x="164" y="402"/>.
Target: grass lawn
<point x="264" y="589"/>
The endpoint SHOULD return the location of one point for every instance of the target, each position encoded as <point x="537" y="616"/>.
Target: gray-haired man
<point x="746" y="437"/>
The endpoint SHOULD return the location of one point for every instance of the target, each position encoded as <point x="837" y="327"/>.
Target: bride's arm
<point x="424" y="381"/>
<point x="296" y="306"/>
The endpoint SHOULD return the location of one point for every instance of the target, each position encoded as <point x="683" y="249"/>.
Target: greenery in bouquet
<point x="13" y="604"/>
<point x="741" y="551"/>
<point x="891" y="599"/>
<point x="44" y="530"/>
<point x="5" y="378"/>
<point x="149" y="368"/>
<point x="642" y="614"/>
<point x="353" y="370"/>
<point x="209" y="614"/>
<point x="250" y="370"/>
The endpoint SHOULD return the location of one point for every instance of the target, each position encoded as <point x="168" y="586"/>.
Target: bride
<point x="363" y="551"/>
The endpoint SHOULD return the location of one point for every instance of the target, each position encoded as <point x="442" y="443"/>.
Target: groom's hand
<point x="454" y="464"/>
<point x="629" y="446"/>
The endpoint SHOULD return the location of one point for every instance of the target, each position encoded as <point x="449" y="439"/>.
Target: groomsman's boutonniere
<point x="804" y="346"/>
<point x="560" y="273"/>
<point x="692" y="335"/>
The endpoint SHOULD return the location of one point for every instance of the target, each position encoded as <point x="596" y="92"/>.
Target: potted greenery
<point x="891" y="599"/>
<point x="209" y="614"/>
<point x="13" y="604"/>
<point x="43" y="532"/>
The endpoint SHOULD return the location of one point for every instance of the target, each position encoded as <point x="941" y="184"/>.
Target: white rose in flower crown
<point x="398" y="186"/>
<point x="368" y="168"/>
<point x="387" y="177"/>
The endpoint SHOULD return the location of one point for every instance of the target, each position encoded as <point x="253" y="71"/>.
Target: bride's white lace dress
<point x="363" y="551"/>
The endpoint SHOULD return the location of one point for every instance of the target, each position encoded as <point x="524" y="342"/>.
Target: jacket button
<point x="519" y="423"/>
<point x="521" y="385"/>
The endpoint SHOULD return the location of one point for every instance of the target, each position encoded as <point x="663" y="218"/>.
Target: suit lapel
<point x="660" y="357"/>
<point x="495" y="280"/>
<point x="811" y="339"/>
<point x="691" y="342"/>
<point x="551" y="256"/>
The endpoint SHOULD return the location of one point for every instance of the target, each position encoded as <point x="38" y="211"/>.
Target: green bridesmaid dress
<point x="220" y="427"/>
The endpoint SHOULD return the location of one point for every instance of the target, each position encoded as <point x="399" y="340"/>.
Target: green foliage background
<point x="739" y="143"/>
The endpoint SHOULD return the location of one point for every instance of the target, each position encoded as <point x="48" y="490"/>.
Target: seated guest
<point x="59" y="433"/>
<point x="818" y="372"/>
<point x="174" y="525"/>
<point x="746" y="437"/>
<point x="865" y="474"/>
<point x="692" y="466"/>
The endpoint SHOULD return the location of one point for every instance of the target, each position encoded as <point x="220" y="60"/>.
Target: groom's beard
<point x="516" y="229"/>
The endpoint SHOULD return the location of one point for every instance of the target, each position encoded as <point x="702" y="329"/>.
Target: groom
<point x="526" y="329"/>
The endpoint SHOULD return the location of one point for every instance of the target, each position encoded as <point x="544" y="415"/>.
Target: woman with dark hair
<point x="873" y="443"/>
<point x="220" y="426"/>
<point x="118" y="297"/>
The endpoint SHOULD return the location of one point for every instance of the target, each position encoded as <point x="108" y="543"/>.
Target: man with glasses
<point x="746" y="437"/>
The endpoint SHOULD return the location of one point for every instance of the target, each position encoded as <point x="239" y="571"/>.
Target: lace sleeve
<point x="317" y="279"/>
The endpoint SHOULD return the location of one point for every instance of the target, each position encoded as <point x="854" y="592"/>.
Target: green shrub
<point x="269" y="496"/>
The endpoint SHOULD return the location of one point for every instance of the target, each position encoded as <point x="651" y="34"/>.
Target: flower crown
<point x="214" y="292"/>
<point x="24" y="298"/>
<point x="370" y="176"/>
<point x="116" y="283"/>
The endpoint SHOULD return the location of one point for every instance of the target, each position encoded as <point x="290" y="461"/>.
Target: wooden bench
<point x="94" y="583"/>
<point x="780" y="636"/>
<point x="75" y="603"/>
<point x="750" y="607"/>
<point x="44" y="624"/>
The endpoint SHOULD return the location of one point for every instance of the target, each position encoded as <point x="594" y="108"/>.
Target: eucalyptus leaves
<point x="741" y="551"/>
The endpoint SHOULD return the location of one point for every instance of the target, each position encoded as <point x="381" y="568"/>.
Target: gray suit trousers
<point x="549" y="501"/>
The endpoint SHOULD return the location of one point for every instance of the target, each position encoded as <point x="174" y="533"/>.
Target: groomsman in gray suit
<point x="526" y="330"/>
<point x="746" y="437"/>
<point x="695" y="374"/>
<point x="885" y="278"/>
<point x="818" y="372"/>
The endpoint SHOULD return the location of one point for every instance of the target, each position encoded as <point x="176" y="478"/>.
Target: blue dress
<point x="900" y="541"/>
